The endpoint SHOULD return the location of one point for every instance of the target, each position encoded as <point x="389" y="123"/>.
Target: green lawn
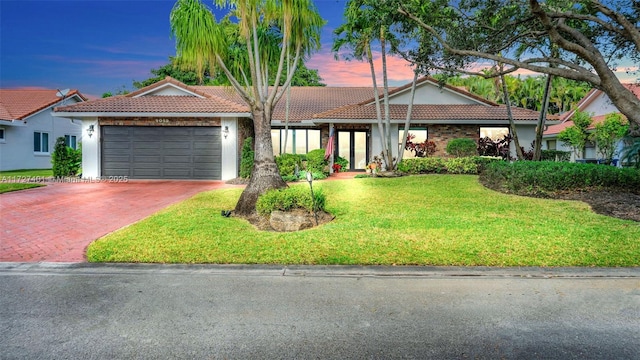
<point x="15" y="180"/>
<point x="417" y="220"/>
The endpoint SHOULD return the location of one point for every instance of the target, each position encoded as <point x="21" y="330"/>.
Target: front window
<point x="494" y="133"/>
<point x="416" y="136"/>
<point x="1" y="134"/>
<point x="299" y="141"/>
<point x="70" y="141"/>
<point x="551" y="144"/>
<point x="41" y="142"/>
<point x="590" y="150"/>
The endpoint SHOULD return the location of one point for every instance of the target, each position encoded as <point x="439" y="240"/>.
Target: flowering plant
<point x="336" y="168"/>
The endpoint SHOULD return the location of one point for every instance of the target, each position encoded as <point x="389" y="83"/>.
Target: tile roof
<point x="594" y="94"/>
<point x="18" y="104"/>
<point x="155" y="104"/>
<point x="133" y="102"/>
<point x="458" y="89"/>
<point x="556" y="129"/>
<point x="305" y="101"/>
<point x="583" y="103"/>
<point x="432" y="112"/>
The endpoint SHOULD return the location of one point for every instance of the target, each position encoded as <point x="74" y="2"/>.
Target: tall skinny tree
<point x="201" y="41"/>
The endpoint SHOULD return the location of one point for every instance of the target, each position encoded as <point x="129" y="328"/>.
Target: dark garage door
<point x="144" y="152"/>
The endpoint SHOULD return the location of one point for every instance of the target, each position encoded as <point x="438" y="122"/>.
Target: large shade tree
<point x="201" y="41"/>
<point x="583" y="40"/>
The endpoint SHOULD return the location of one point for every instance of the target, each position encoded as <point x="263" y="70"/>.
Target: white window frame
<point x="3" y="134"/>
<point x="72" y="144"/>
<point x="40" y="152"/>
<point x="291" y="142"/>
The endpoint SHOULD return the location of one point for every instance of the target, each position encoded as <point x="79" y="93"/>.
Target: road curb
<point x="318" y="270"/>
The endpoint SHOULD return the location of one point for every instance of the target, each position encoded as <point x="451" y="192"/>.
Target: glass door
<point x="352" y="145"/>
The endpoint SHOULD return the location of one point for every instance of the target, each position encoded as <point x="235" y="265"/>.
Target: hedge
<point x="436" y="165"/>
<point x="527" y="177"/>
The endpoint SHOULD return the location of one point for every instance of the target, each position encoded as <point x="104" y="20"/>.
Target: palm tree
<point x="200" y="40"/>
<point x="366" y="23"/>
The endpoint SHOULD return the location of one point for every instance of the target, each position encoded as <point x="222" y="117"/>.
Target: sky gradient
<point x="97" y="46"/>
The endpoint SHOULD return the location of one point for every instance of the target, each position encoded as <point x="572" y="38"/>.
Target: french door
<point x="352" y="145"/>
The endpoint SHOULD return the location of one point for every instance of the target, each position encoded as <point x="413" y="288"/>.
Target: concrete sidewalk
<point x="322" y="270"/>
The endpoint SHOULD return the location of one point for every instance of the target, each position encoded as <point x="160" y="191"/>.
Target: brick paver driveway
<point x="57" y="222"/>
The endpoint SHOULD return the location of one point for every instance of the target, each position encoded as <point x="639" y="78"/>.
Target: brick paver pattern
<point x="57" y="222"/>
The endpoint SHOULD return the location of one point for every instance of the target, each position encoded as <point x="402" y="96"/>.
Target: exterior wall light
<point x="225" y="132"/>
<point x="90" y="130"/>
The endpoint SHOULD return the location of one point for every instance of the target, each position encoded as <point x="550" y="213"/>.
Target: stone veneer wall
<point x="442" y="134"/>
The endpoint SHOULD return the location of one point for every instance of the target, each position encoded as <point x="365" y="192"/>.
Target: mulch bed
<point x="618" y="204"/>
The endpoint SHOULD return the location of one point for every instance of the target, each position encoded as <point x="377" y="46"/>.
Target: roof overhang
<point x="428" y="121"/>
<point x="80" y="115"/>
<point x="12" y="123"/>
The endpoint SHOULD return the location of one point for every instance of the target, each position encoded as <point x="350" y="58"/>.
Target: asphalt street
<point x="88" y="311"/>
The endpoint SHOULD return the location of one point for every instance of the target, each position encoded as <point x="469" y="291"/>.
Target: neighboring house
<point x="28" y="131"/>
<point x="171" y="130"/>
<point x="596" y="103"/>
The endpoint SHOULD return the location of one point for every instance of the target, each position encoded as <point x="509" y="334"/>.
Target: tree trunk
<point x="376" y="96"/>
<point x="407" y="122"/>
<point x="387" y="112"/>
<point x="512" y="124"/>
<point x="537" y="152"/>
<point x="621" y="97"/>
<point x="265" y="174"/>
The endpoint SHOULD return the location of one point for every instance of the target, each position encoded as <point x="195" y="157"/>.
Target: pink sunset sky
<point x="103" y="46"/>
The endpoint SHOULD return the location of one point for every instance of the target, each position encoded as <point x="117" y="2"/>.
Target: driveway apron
<point x="57" y="222"/>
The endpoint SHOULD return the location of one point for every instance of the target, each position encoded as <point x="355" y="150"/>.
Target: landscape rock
<point x="291" y="221"/>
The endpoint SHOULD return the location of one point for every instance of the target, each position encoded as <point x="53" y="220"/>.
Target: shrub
<point x="631" y="151"/>
<point x="462" y="165"/>
<point x="466" y="165"/>
<point x="425" y="165"/>
<point x="316" y="162"/>
<point x="344" y="163"/>
<point x="65" y="161"/>
<point x="287" y="164"/>
<point x="608" y="133"/>
<point x="295" y="197"/>
<point x="555" y="155"/>
<point x="527" y="177"/>
<point x="576" y="135"/>
<point x="490" y="147"/>
<point x="462" y="147"/>
<point x="423" y="149"/>
<point x="246" y="161"/>
<point x="483" y="161"/>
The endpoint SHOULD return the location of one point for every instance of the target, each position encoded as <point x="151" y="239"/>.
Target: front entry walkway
<point x="57" y="222"/>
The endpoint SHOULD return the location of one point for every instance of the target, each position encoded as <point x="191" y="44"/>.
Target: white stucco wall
<point x="431" y="94"/>
<point x="229" y="149"/>
<point x="526" y="136"/>
<point x="600" y="106"/>
<point x="91" y="149"/>
<point x="16" y="151"/>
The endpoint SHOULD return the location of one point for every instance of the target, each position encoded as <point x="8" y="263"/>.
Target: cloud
<point x="358" y="73"/>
